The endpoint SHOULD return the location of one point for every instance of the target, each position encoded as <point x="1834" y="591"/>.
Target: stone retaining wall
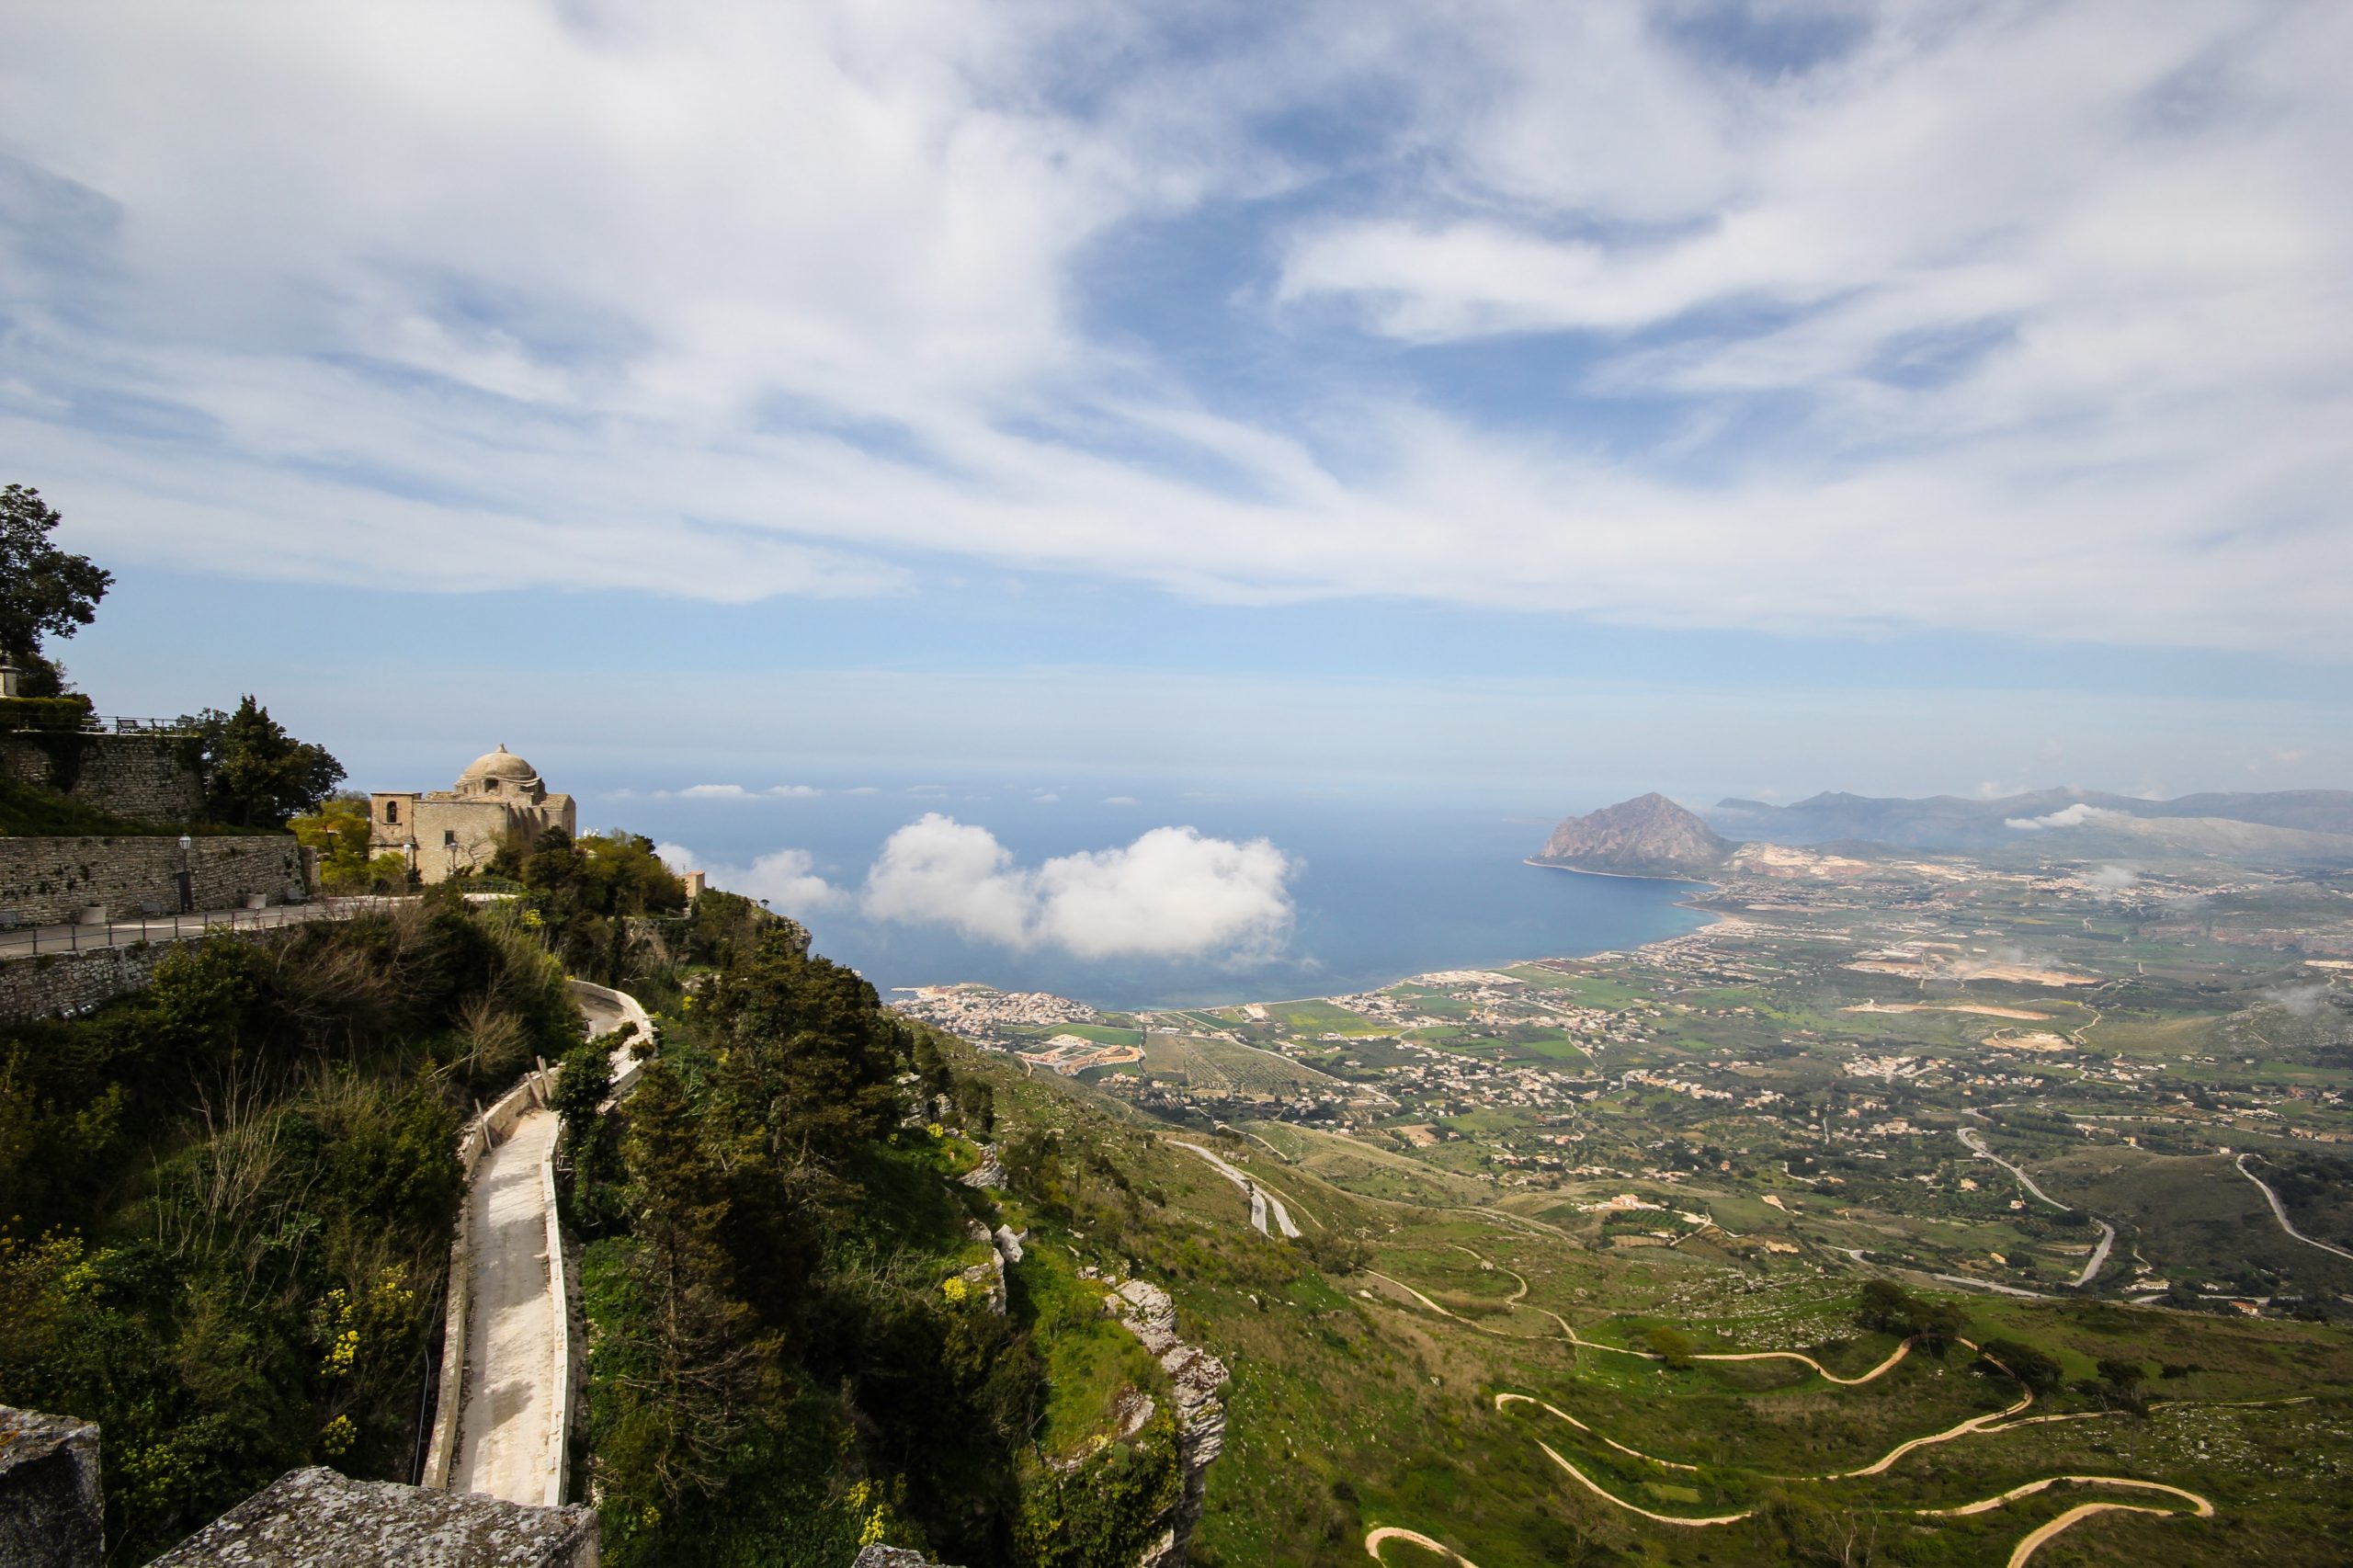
<point x="151" y="778"/>
<point x="47" y="881"/>
<point x="71" y="983"/>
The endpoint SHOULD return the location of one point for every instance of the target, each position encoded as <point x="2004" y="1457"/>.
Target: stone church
<point x="444" y="832"/>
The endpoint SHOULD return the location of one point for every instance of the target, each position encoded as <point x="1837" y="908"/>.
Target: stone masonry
<point x="69" y="984"/>
<point x="49" y="881"/>
<point x="143" y="779"/>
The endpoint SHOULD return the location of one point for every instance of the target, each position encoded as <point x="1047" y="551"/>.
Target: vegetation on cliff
<point x="230" y="1199"/>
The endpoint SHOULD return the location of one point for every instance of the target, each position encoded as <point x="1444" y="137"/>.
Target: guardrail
<point x="113" y="725"/>
<point x="24" y="941"/>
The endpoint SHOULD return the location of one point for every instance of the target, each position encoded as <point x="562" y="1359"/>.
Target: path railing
<point x="25" y="941"/>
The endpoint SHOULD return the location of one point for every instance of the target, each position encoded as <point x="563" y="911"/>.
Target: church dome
<point x="501" y="765"/>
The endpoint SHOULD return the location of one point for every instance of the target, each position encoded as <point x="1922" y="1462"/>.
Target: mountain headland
<point x="1649" y="835"/>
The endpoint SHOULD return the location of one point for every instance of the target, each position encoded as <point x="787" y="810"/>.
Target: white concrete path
<point x="505" y="1439"/>
<point x="510" y="1445"/>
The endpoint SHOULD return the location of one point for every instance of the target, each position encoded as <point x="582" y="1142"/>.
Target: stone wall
<point x="146" y="779"/>
<point x="48" y="880"/>
<point x="50" y="1513"/>
<point x="69" y="984"/>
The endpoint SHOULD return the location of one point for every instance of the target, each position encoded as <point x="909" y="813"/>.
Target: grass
<point x="1323" y="1017"/>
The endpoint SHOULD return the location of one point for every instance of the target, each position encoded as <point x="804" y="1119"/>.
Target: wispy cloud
<point x="730" y="792"/>
<point x="1958" y="320"/>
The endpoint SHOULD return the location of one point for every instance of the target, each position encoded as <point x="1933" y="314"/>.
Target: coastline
<point x="1713" y="918"/>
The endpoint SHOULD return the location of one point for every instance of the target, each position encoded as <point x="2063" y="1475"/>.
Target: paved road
<point x="34" y="941"/>
<point x="2279" y="1212"/>
<point x="2106" y="1232"/>
<point x="1261" y="1200"/>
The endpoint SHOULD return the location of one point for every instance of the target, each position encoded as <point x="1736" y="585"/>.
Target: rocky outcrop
<point x="1198" y="1380"/>
<point x="1647" y="837"/>
<point x="987" y="1278"/>
<point x="318" y="1517"/>
<point x="989" y="1173"/>
<point x="50" y="1496"/>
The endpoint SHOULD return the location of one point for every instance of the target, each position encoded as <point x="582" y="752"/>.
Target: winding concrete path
<point x="510" y="1439"/>
<point x="2280" y="1210"/>
<point x="514" y="1323"/>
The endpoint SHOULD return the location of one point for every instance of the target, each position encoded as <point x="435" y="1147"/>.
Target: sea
<point x="1383" y="886"/>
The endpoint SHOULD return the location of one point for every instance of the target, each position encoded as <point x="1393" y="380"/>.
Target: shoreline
<point x="1713" y="918"/>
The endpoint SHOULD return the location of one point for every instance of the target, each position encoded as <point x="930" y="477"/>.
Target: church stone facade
<point x="442" y="833"/>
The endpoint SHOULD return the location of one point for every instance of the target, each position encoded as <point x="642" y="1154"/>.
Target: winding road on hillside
<point x="1261" y="1200"/>
<point x="2280" y="1210"/>
<point x="510" y="1434"/>
<point x="2106" y="1232"/>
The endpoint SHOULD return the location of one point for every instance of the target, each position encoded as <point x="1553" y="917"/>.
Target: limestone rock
<point x="50" y="1514"/>
<point x="990" y="1172"/>
<point x="1198" y="1380"/>
<point x="311" y="1517"/>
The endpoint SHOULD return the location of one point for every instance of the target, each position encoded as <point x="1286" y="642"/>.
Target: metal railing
<point x="112" y="724"/>
<point x="25" y="941"/>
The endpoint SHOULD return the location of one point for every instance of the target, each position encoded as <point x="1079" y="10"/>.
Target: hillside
<point x="1647" y="837"/>
<point x="2289" y="827"/>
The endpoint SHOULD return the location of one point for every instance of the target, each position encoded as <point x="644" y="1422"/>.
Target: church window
<point x="449" y="835"/>
<point x="391" y="810"/>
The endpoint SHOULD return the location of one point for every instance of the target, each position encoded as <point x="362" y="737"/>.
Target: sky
<point x="1567" y="399"/>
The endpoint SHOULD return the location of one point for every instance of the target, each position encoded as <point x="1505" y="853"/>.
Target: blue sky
<point x="1578" y="399"/>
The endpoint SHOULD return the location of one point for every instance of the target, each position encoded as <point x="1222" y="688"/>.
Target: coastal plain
<point x="1596" y="1254"/>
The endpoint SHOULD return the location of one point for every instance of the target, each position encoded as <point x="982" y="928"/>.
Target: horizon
<point x="1517" y="414"/>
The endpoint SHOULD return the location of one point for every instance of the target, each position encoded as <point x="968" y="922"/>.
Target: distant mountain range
<point x="1652" y="836"/>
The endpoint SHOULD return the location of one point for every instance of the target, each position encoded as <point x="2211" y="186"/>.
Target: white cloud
<point x="2038" y="299"/>
<point x="1171" y="894"/>
<point x="2080" y="814"/>
<point x="1119" y="799"/>
<point x="786" y="878"/>
<point x="735" y="792"/>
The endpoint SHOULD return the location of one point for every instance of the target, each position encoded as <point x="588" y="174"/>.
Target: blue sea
<point x="1383" y="886"/>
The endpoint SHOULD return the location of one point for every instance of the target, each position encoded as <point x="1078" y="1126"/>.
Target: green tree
<point x="2122" y="1382"/>
<point x="255" y="775"/>
<point x="44" y="591"/>
<point x="698" y="1365"/>
<point x="1674" y="1347"/>
<point x="338" y="833"/>
<point x="2037" y="1370"/>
